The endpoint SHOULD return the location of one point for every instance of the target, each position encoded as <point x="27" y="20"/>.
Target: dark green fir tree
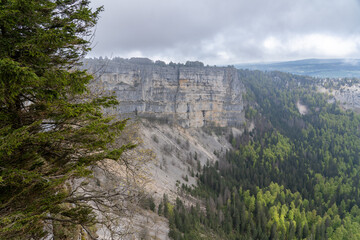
<point x="50" y="130"/>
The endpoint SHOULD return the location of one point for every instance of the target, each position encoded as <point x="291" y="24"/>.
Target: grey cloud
<point x="225" y="31"/>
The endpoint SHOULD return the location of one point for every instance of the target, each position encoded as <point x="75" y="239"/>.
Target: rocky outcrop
<point x="349" y="97"/>
<point x="191" y="94"/>
<point x="344" y="91"/>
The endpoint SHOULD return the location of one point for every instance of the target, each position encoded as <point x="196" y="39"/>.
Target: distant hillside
<point x="332" y="68"/>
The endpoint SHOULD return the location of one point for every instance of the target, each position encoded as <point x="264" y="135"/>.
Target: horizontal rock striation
<point x="191" y="94"/>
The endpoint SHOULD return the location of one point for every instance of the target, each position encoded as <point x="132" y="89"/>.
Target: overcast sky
<point x="228" y="31"/>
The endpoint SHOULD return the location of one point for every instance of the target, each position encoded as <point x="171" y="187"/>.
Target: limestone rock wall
<point x="349" y="97"/>
<point x="190" y="94"/>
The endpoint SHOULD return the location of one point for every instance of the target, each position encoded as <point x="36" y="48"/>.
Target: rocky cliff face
<point x="190" y="94"/>
<point x="349" y="97"/>
<point x="345" y="91"/>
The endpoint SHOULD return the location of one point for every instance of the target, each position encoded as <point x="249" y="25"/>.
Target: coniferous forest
<point x="294" y="176"/>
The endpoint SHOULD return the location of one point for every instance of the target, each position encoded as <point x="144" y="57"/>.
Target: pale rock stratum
<point x="190" y="95"/>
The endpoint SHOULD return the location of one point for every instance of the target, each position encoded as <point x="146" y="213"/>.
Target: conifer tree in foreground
<point x="50" y="131"/>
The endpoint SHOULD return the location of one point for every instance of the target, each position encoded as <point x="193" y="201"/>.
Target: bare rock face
<point x="349" y="97"/>
<point x="346" y="93"/>
<point x="190" y="95"/>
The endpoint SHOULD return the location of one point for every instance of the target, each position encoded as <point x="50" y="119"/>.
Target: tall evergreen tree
<point x="50" y="130"/>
